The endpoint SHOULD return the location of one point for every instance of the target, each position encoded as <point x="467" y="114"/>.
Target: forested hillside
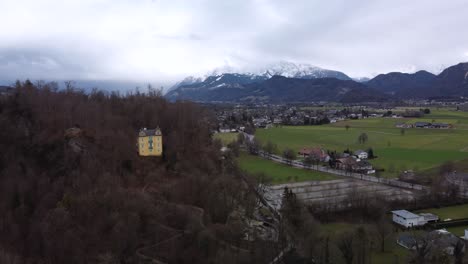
<point x="74" y="190"/>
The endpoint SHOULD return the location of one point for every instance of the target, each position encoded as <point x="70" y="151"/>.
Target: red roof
<point x="315" y="151"/>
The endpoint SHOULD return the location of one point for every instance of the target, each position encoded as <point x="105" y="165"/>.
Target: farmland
<point x="226" y="138"/>
<point x="452" y="212"/>
<point x="280" y="173"/>
<point x="417" y="149"/>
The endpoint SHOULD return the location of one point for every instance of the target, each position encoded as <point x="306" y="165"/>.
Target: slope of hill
<point x="73" y="189"/>
<point x="213" y="88"/>
<point x="280" y="89"/>
<point x="453" y="81"/>
<point x="403" y="84"/>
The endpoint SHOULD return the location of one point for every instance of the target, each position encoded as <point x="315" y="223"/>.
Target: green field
<point x="452" y="212"/>
<point x="226" y="138"/>
<point x="417" y="149"/>
<point x="280" y="173"/>
<point x="392" y="250"/>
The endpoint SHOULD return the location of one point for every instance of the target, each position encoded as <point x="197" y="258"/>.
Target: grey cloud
<point x="165" y="40"/>
<point x="36" y="64"/>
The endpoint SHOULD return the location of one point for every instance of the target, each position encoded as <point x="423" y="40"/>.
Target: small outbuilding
<point x="408" y="219"/>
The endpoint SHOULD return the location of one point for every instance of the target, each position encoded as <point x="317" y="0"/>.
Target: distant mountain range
<point x="288" y="82"/>
<point x="283" y="68"/>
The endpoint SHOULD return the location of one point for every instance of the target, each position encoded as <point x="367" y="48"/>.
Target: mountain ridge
<point x="280" y="89"/>
<point x="282" y="68"/>
<point x="401" y="84"/>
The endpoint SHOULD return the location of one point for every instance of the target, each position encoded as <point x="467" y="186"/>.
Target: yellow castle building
<point x="150" y="142"/>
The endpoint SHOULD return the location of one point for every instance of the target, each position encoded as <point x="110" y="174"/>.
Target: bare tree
<point x="240" y="138"/>
<point x="308" y="161"/>
<point x="362" y="244"/>
<point x="346" y="248"/>
<point x="383" y="230"/>
<point x="363" y="138"/>
<point x="459" y="251"/>
<point x="289" y="155"/>
<point x="270" y="148"/>
<point x="254" y="146"/>
<point x="422" y="248"/>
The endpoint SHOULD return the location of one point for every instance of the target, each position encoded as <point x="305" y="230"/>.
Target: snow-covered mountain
<point x="361" y="79"/>
<point x="282" y="68"/>
<point x="302" y="71"/>
<point x="186" y="81"/>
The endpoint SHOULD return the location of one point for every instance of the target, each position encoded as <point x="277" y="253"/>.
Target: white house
<point x="408" y="219"/>
<point x="361" y="154"/>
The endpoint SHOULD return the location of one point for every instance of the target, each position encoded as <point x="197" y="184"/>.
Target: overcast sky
<point x="165" y="40"/>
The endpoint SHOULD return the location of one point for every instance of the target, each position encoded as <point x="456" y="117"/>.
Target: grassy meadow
<point x="280" y="173"/>
<point x="449" y="212"/>
<point x="393" y="252"/>
<point x="417" y="149"/>
<point x="226" y="138"/>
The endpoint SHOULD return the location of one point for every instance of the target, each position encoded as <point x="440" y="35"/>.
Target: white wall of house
<point x="408" y="222"/>
<point x="363" y="155"/>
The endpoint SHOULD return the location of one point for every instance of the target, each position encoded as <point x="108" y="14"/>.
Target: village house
<point x="425" y="125"/>
<point x="346" y="163"/>
<point x="440" y="125"/>
<point x="407" y="175"/>
<point x="316" y="152"/>
<point x="355" y="165"/>
<point x="364" y="166"/>
<point x="403" y="125"/>
<point x="438" y="239"/>
<point x="224" y="130"/>
<point x="277" y="121"/>
<point x="407" y="241"/>
<point x="422" y="124"/>
<point x="361" y="154"/>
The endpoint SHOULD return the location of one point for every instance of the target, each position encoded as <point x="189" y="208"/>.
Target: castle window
<point x="150" y="142"/>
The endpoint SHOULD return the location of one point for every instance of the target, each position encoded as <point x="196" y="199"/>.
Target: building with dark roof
<point x="150" y="142"/>
<point x="422" y="124"/>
